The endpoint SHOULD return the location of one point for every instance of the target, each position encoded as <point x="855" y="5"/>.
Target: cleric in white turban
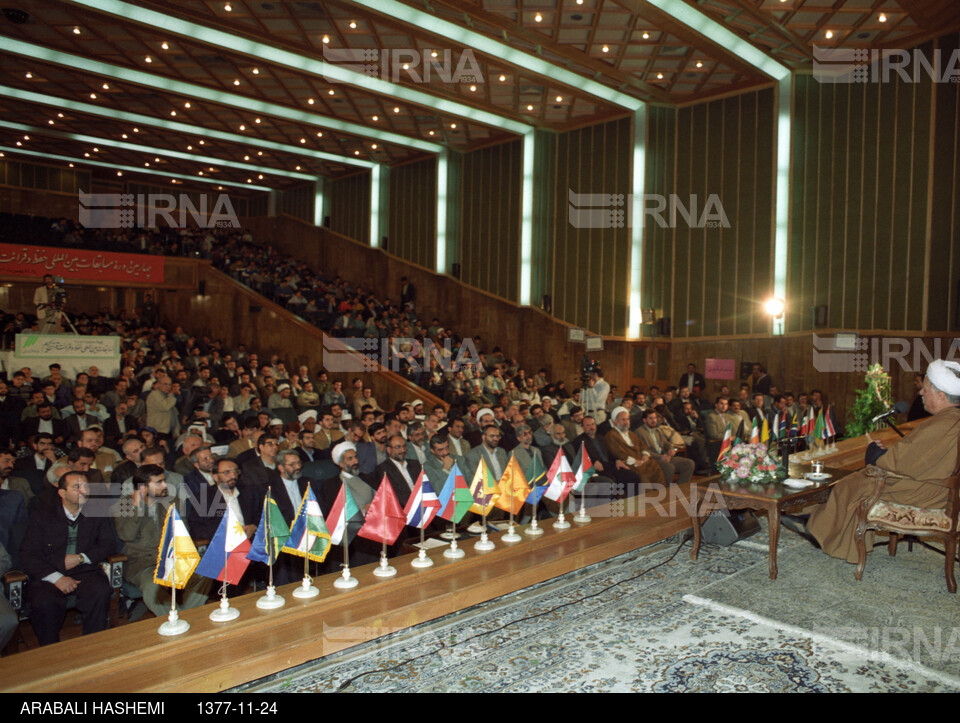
<point x="337" y="453"/>
<point x="916" y="463"/>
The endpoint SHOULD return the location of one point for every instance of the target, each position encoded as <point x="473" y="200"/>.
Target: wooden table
<point x="714" y="494"/>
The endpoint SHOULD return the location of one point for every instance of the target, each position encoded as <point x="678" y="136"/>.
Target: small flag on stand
<point x="177" y="556"/>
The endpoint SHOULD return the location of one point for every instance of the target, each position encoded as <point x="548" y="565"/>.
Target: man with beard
<point x="362" y="550"/>
<point x="133" y="457"/>
<point x="626" y="446"/>
<point x="199" y="482"/>
<point x="139" y="525"/>
<point x="61" y="552"/>
<point x="287" y="490"/>
<point x="372" y="454"/>
<point x="204" y="521"/>
<point x="12" y="483"/>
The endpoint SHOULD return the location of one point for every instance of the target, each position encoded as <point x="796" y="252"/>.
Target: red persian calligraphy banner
<point x="80" y="264"/>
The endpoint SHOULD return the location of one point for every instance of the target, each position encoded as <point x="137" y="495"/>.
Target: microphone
<point x="898" y="408"/>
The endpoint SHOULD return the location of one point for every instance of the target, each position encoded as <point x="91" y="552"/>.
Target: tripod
<point x="52" y="318"/>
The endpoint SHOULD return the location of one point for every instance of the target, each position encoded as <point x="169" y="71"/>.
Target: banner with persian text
<point x="73" y="353"/>
<point x="80" y="264"/>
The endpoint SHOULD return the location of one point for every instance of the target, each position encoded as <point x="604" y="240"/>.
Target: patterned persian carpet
<point x="653" y="620"/>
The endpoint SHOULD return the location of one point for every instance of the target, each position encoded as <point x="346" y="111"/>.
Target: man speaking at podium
<point x="929" y="452"/>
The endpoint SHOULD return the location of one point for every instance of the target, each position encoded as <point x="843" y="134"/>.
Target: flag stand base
<point x="271" y="600"/>
<point x="385" y="569"/>
<point x="422" y="560"/>
<point x="582" y="517"/>
<point x="534" y="530"/>
<point x="476" y="528"/>
<point x="449" y="535"/>
<point x="345" y="581"/>
<point x="306" y="589"/>
<point x="511" y="535"/>
<point x="484" y="543"/>
<point x="224" y="613"/>
<point x="174" y="626"/>
<point x="453" y="552"/>
<point x="561" y="523"/>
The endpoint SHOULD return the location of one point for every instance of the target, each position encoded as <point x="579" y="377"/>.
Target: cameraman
<point x="593" y="397"/>
<point x="49" y="302"/>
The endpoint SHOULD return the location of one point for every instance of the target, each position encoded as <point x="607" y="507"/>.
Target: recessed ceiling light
<point x="453" y="126"/>
<point x="119" y="173"/>
<point x="165" y="46"/>
<point x="529" y="107"/>
<point x="310" y="101"/>
<point x="27" y="138"/>
<point x="433" y="54"/>
<point x="255" y="71"/>
<point x="646" y="36"/>
<point x="503" y="78"/>
<point x="211" y="169"/>
<point x="559" y="99"/>
<point x="430" y="133"/>
<point x="829" y="34"/>
<point x="228" y="7"/>
<point x="249" y="180"/>
<point x="201" y="143"/>
<point x="256" y="120"/>
<point x="298" y="168"/>
<point x="659" y="76"/>
<point x="259" y="153"/>
<point x="579" y="2"/>
<point x="189" y="148"/>
<point x="105" y="86"/>
<point x="260" y="176"/>
<point x="330" y="92"/>
<point x="236" y="82"/>
<point x="353" y="25"/>
<point x="93" y="96"/>
<point x="187" y="104"/>
<point x="246" y="158"/>
<point x="303" y="140"/>
<point x="605" y="49"/>
<point x="396" y="109"/>
<point x="375" y="118"/>
<point x="243" y="127"/>
<point x="59" y="115"/>
<point x="124" y="136"/>
<point x="147" y="165"/>
<point x="173" y="112"/>
<point x="76" y="31"/>
<point x="28" y="75"/>
<point x="325" y="39"/>
<point x="319" y="134"/>
<point x="882" y="18"/>
<point x="699" y="64"/>
<point x="136" y="130"/>
<point x="356" y="153"/>
<point x="50" y="122"/>
<point x="538" y="17"/>
<point x="148" y="59"/>
<point x="157" y="160"/>
<point x="219" y="188"/>
<point x="473" y="89"/>
<point x="374" y="146"/>
<point x="199" y="173"/>
<point x="20" y="143"/>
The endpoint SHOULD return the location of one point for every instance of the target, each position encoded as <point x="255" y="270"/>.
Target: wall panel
<point x="350" y="206"/>
<point x="412" y="216"/>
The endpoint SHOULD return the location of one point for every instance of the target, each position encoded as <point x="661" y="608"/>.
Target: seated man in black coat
<point x="61" y="552"/>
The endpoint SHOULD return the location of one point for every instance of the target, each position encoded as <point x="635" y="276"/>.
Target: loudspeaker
<point x="326" y="222"/>
<point x="663" y="326"/>
<point x="820" y="317"/>
<point x="384" y="242"/>
<point x="202" y="287"/>
<point x="547" y="303"/>
<point x="455" y="271"/>
<point x="723" y="530"/>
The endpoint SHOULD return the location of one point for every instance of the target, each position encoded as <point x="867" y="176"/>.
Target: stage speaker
<point x="820" y="318"/>
<point x="455" y="271"/>
<point x="723" y="530"/>
<point x="202" y="287"/>
<point x="663" y="326"/>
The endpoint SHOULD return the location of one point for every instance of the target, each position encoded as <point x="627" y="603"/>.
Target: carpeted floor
<point x="653" y="620"/>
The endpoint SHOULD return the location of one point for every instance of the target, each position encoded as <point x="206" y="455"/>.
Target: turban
<point x="617" y="412"/>
<point x="339" y="450"/>
<point x="484" y="411"/>
<point x="309" y="414"/>
<point x="943" y="375"/>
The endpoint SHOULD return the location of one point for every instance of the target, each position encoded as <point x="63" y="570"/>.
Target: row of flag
<point x="311" y="535"/>
<point x="819" y="426"/>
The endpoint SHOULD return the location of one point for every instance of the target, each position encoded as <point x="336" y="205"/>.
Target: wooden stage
<point x="212" y="656"/>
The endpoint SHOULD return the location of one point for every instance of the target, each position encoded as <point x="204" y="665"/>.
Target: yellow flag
<point x="513" y="488"/>
<point x="484" y="489"/>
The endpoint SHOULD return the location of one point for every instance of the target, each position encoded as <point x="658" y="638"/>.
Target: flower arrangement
<point x="749" y="464"/>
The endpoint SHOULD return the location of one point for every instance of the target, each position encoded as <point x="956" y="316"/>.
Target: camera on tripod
<point x="59" y="294"/>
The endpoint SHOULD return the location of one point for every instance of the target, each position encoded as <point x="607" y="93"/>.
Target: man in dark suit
<point x="260" y="472"/>
<point x="287" y="489"/>
<point x="61" y="552"/>
<point x="692" y="379"/>
<point x="79" y="421"/>
<point x="45" y="422"/>
<point x="119" y="426"/>
<point x="402" y="474"/>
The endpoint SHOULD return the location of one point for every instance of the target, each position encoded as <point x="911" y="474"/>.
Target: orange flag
<point x="514" y="488"/>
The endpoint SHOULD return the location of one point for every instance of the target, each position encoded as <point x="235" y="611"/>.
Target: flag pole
<point x="533" y="529"/>
<point x="512" y="535"/>
<point x="271" y="599"/>
<point x="384" y="569"/>
<point x="174" y="625"/>
<point x="306" y="589"/>
<point x="223" y="612"/>
<point x="421" y="560"/>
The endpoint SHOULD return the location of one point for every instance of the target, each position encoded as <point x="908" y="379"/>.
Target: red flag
<point x="385" y="519"/>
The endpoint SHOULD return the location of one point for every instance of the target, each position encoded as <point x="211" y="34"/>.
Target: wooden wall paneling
<point x="617" y="265"/>
<point x="412" y="215"/>
<point x="865" y="279"/>
<point x="743" y="218"/>
<point x="900" y="216"/>
<point x="350" y="206"/>
<point x="454" y="208"/>
<point x="919" y="196"/>
<point x="683" y="248"/>
<point x="547" y="214"/>
<point x="658" y="268"/>
<point x="886" y="202"/>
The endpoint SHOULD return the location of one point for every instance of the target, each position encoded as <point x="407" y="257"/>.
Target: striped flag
<point x="819" y="426"/>
<point x="583" y="469"/>
<point x="345" y="518"/>
<point x="226" y="556"/>
<point x="177" y="556"/>
<point x="423" y="504"/>
<point x="562" y="478"/>
<point x="726" y="444"/>
<point x="829" y="429"/>
<point x="455" y="498"/>
<point x="755" y="432"/>
<point x="309" y="535"/>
